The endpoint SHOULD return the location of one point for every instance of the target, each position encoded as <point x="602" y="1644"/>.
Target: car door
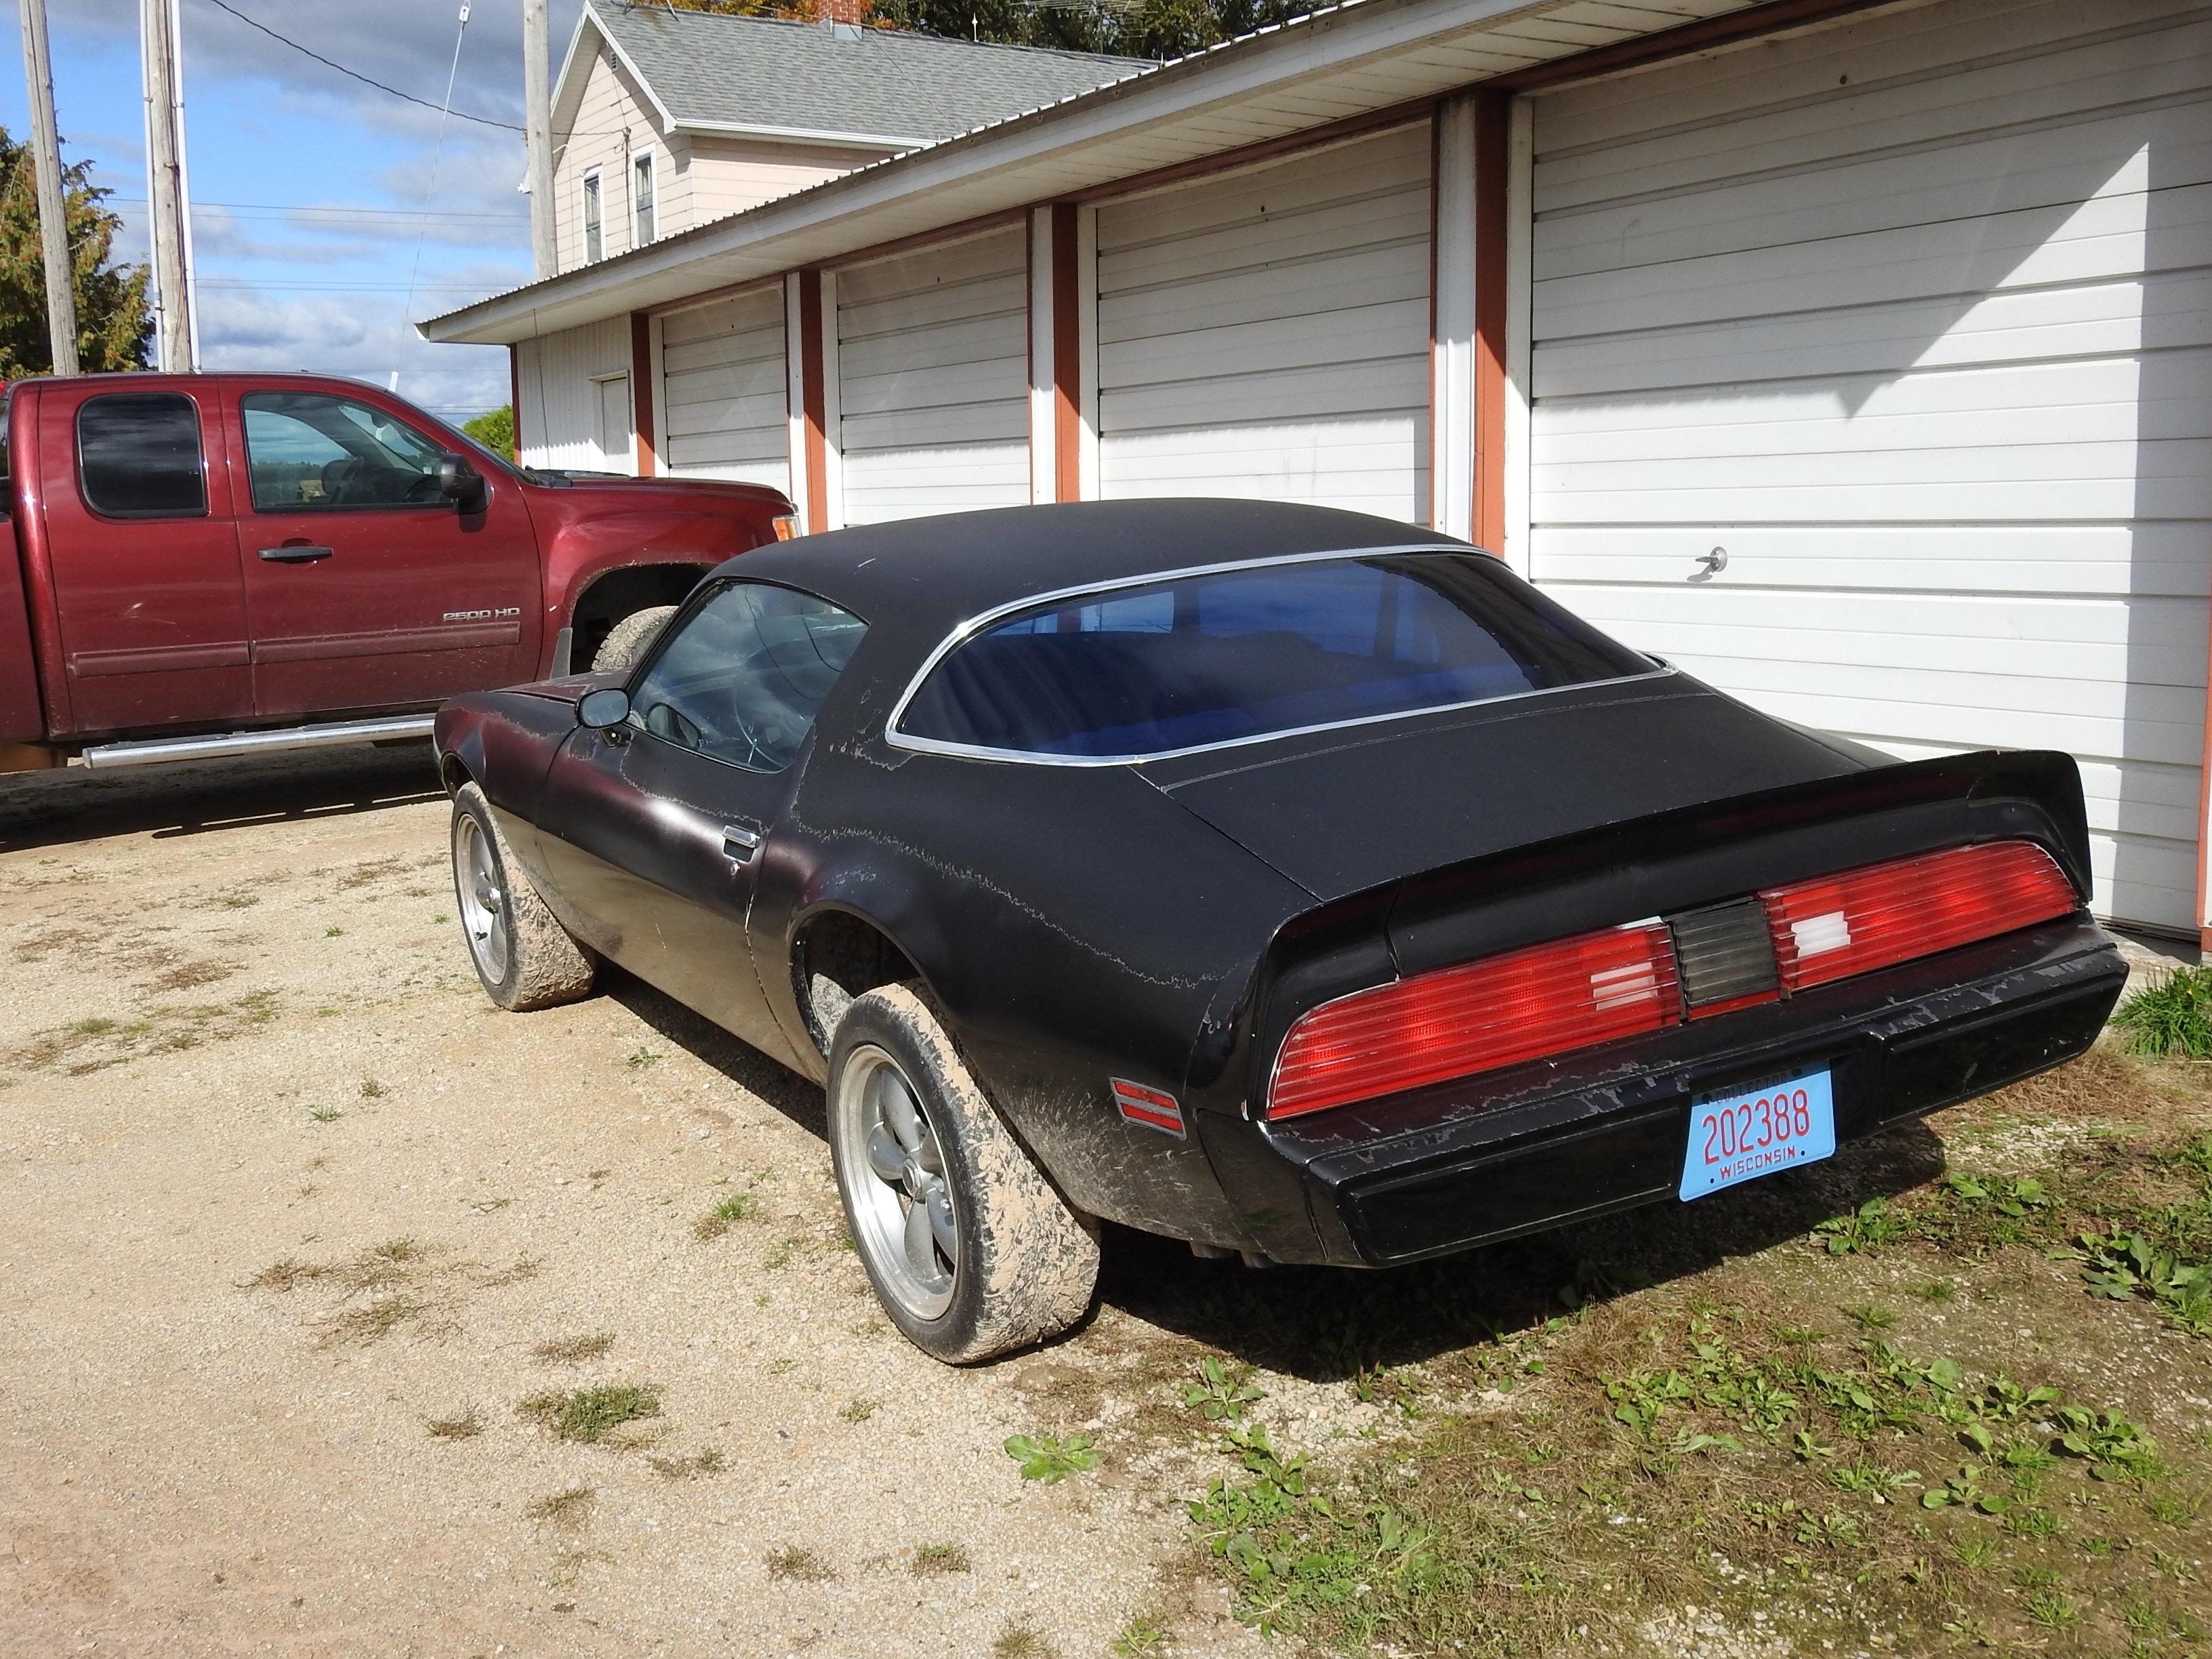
<point x="143" y="560"/>
<point x="365" y="586"/>
<point x="653" y="831"/>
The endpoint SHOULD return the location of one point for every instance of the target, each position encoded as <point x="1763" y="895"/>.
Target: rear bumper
<point x="1465" y="1163"/>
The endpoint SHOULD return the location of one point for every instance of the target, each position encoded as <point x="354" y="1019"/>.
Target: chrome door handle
<point x="739" y="840"/>
<point x="293" y="554"/>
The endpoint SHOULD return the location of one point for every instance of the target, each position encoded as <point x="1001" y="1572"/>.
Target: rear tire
<point x="997" y="1259"/>
<point x="630" y="639"/>
<point x="524" y="958"/>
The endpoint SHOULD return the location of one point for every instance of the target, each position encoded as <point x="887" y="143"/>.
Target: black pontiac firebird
<point x="1283" y="880"/>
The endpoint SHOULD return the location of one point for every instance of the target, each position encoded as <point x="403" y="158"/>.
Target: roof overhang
<point x="1351" y="60"/>
<point x="802" y="136"/>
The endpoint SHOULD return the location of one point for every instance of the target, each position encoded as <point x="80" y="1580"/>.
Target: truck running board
<point x="146" y="752"/>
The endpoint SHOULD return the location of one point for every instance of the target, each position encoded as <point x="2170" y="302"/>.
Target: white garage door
<point x="1267" y="333"/>
<point x="932" y="379"/>
<point x="1910" y="317"/>
<point x="722" y="391"/>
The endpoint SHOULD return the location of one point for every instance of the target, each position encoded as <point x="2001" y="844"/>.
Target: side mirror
<point x="460" y="483"/>
<point x="607" y="706"/>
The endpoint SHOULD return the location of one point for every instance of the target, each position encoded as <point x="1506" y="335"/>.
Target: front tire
<point x="524" y="958"/>
<point x="630" y="639"/>
<point x="971" y="1251"/>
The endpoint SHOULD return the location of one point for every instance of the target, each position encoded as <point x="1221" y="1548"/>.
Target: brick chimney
<point x="843" y="11"/>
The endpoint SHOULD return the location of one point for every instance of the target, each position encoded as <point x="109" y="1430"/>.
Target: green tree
<point x="113" y="324"/>
<point x="494" y="429"/>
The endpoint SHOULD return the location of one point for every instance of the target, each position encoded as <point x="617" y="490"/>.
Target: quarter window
<point x="1228" y="656"/>
<point x="594" y="234"/>
<point x="138" y="456"/>
<point x="641" y="187"/>
<point x="743" y="675"/>
<point x="312" y="451"/>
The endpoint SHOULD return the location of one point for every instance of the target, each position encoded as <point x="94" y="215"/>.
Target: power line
<point x="308" y="207"/>
<point x="355" y="75"/>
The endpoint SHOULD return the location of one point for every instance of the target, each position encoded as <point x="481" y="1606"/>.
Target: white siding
<point x="932" y="379"/>
<point x="614" y="120"/>
<point x="1267" y="333"/>
<point x="1911" y="315"/>
<point x="722" y="390"/>
<point x="560" y="411"/>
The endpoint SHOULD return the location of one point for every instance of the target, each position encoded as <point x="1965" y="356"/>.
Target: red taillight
<point x="1459" y="1021"/>
<point x="1885" y="913"/>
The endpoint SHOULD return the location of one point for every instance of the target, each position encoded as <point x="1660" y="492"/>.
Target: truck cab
<point x="212" y="563"/>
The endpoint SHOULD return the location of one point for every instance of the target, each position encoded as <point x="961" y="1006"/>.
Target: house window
<point x="594" y="239"/>
<point x="641" y="194"/>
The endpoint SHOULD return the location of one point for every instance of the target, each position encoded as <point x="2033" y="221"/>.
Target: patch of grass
<point x="1219" y="1396"/>
<point x="93" y="1027"/>
<point x="779" y="1255"/>
<point x="572" y="1350"/>
<point x="325" y="1114"/>
<point x="289" y="1274"/>
<point x="935" y="1560"/>
<point x="797" y="1565"/>
<point x="1051" y="1458"/>
<point x="371" y="1089"/>
<point x="588" y="1416"/>
<point x="641" y="1058"/>
<point x="1140" y="1638"/>
<point x="374" y="1319"/>
<point x="1020" y="1642"/>
<point x="708" y="1460"/>
<point x="333" y="932"/>
<point x="859" y="1410"/>
<point x="1871" y="1318"/>
<point x="728" y="1211"/>
<point x="465" y="1425"/>
<point x="2170" y="1017"/>
<point x="567" y="1509"/>
<point x="1868" y="1227"/>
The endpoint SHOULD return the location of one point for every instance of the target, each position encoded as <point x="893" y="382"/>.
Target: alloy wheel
<point x="897" y="1183"/>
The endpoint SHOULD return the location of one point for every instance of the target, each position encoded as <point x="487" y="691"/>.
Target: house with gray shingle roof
<point x="665" y="119"/>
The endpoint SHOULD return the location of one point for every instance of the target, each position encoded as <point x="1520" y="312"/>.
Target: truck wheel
<point x="524" y="956"/>
<point x="970" y="1249"/>
<point x="630" y="639"/>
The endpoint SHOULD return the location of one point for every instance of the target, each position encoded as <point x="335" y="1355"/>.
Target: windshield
<point x="1226" y="656"/>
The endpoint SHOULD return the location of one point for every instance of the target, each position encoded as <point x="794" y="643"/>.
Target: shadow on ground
<point x="1326" y="1324"/>
<point x="52" y="809"/>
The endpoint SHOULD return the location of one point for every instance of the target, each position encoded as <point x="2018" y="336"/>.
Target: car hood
<point x="1343" y="810"/>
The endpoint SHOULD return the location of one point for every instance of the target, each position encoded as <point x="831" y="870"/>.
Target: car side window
<point x="138" y="456"/>
<point x="740" y="678"/>
<point x="315" y="452"/>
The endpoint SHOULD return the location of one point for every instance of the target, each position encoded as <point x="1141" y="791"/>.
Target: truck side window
<point x="313" y="451"/>
<point x="138" y="455"/>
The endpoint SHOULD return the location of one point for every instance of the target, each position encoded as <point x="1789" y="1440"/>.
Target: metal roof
<point x="711" y="72"/>
<point x="1346" y="61"/>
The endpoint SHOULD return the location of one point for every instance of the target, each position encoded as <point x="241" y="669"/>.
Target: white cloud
<point x="348" y="334"/>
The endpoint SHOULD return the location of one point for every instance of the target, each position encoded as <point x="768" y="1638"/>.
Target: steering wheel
<point x="423" y="488"/>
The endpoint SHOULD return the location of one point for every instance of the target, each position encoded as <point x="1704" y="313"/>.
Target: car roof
<point x="919" y="579"/>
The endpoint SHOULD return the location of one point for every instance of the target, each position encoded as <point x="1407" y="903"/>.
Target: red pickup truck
<point x="215" y="564"/>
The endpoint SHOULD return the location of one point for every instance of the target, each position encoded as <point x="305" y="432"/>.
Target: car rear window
<point x="1226" y="656"/>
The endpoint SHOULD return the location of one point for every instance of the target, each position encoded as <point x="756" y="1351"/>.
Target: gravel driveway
<point x="297" y="1224"/>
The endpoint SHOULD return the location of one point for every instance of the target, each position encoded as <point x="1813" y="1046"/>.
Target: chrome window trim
<point x="975" y="624"/>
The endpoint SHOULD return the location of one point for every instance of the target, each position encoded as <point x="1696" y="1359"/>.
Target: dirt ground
<point x="291" y="1210"/>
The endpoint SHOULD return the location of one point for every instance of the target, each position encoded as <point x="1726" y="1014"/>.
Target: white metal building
<point x="1855" y="356"/>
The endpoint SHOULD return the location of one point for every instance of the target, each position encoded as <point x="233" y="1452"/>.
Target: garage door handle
<point x="292" y="554"/>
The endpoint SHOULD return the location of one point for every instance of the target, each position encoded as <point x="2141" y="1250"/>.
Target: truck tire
<point x="971" y="1251"/>
<point x="630" y="639"/>
<point x="523" y="957"/>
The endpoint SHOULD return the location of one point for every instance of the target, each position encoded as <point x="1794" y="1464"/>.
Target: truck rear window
<point x="1227" y="656"/>
<point x="138" y="455"/>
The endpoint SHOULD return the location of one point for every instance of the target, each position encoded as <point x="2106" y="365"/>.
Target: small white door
<point x="614" y="424"/>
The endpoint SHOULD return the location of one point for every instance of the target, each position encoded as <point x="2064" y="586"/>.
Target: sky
<point x="326" y="217"/>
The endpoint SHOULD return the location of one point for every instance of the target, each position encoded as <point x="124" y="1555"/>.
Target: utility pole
<point x="537" y="133"/>
<point x="176" y="333"/>
<point x="54" y="222"/>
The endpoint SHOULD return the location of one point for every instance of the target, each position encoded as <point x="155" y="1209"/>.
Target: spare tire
<point x="630" y="639"/>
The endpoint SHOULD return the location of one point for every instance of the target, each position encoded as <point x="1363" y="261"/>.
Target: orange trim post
<point x="813" y="400"/>
<point x="641" y="389"/>
<point x="1492" y="133"/>
<point x="1066" y="355"/>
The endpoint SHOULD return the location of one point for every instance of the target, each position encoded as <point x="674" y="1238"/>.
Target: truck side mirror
<point x="459" y="483"/>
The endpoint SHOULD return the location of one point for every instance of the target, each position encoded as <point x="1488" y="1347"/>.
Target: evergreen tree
<point x="114" y="327"/>
<point x="494" y="429"/>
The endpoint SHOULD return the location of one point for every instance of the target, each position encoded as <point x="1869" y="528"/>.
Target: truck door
<point x="365" y="587"/>
<point x="143" y="561"/>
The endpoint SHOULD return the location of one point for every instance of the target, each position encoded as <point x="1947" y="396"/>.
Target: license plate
<point x="1741" y="1137"/>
